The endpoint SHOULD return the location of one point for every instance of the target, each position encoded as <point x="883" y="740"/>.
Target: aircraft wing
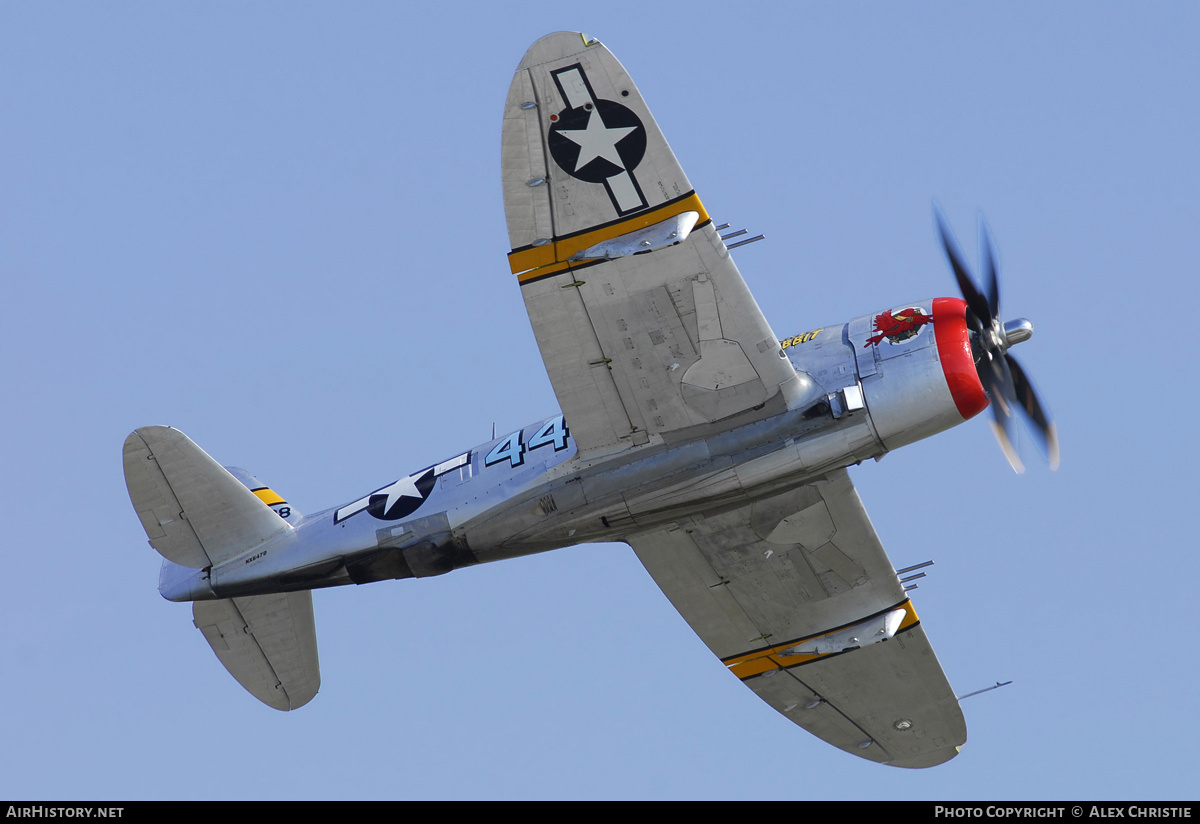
<point x="643" y="320"/>
<point x="798" y="599"/>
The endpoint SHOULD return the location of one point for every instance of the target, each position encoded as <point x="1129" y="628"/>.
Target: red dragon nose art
<point x="898" y="326"/>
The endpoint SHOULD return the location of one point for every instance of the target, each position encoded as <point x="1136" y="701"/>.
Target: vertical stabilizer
<point x="267" y="495"/>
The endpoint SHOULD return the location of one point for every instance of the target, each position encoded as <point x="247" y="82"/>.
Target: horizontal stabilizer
<point x="268" y="643"/>
<point x="194" y="512"/>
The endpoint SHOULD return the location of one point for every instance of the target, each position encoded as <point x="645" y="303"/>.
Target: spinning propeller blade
<point x="1006" y="384"/>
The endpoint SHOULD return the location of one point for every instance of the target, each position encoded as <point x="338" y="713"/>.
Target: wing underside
<point x="643" y="320"/>
<point x="797" y="597"/>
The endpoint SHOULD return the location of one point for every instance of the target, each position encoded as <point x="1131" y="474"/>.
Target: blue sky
<point x="279" y="228"/>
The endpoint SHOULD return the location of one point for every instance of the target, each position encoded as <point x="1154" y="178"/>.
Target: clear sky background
<point x="278" y="227"/>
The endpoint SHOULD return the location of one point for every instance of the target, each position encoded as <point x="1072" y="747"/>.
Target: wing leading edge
<point x="643" y="320"/>
<point x="797" y="597"/>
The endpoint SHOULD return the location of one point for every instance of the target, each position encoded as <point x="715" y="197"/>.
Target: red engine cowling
<point x="917" y="370"/>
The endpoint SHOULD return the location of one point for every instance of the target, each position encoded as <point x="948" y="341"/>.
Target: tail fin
<point x="267" y="495"/>
<point x="198" y="514"/>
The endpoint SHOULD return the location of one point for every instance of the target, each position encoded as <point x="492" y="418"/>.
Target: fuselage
<point x="873" y="384"/>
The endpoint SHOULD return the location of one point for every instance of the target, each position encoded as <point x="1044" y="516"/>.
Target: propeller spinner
<point x="1003" y="379"/>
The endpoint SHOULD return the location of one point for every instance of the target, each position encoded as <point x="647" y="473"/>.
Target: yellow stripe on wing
<point x="529" y="261"/>
<point x="750" y="664"/>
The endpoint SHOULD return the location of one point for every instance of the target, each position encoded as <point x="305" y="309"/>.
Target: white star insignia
<point x="597" y="140"/>
<point x="403" y="488"/>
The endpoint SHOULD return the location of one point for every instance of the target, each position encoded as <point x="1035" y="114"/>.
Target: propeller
<point x="1006" y="384"/>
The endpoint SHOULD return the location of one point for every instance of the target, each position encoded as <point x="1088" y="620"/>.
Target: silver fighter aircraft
<point x="688" y="430"/>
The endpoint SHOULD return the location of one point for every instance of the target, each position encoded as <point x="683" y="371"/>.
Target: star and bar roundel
<point x="403" y="497"/>
<point x="597" y="141"/>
